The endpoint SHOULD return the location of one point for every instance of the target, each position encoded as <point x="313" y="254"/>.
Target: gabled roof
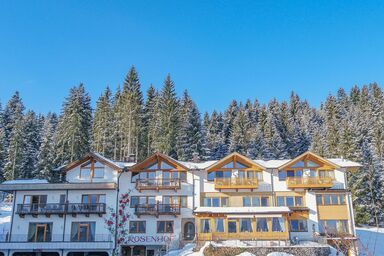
<point x="156" y="157"/>
<point x="95" y="156"/>
<point x="235" y="156"/>
<point x="306" y="155"/>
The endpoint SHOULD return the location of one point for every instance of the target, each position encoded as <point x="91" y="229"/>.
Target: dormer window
<point x="92" y="170"/>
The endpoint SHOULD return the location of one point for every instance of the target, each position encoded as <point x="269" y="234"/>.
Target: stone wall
<point x="263" y="251"/>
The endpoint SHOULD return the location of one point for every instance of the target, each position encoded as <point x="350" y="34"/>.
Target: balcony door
<point x="39" y="232"/>
<point x="83" y="231"/>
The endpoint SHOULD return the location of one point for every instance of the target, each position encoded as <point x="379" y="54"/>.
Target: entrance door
<point x="150" y="252"/>
<point x="189" y="231"/>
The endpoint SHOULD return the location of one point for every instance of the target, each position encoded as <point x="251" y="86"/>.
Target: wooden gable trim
<point x="158" y="157"/>
<point x="91" y="157"/>
<point x="236" y="157"/>
<point x="306" y="155"/>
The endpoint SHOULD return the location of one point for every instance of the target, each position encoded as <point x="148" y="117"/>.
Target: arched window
<point x="189" y="231"/>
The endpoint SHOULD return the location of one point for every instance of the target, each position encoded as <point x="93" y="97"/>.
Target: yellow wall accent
<point x="333" y="212"/>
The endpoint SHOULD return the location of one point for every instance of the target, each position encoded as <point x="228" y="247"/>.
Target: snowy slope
<point x="5" y="219"/>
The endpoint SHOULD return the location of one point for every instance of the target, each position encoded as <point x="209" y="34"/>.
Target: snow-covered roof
<point x="124" y="164"/>
<point x="26" y="181"/>
<point x="117" y="163"/>
<point x="344" y="162"/>
<point x="242" y="210"/>
<point x="200" y="166"/>
<point x="272" y="164"/>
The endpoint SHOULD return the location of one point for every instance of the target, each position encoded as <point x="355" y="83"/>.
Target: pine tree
<point x="30" y="146"/>
<point x="129" y="107"/>
<point x="168" y="120"/>
<point x="74" y="127"/>
<point x="149" y="123"/>
<point x="102" y="126"/>
<point x="46" y="156"/>
<point x="239" y="136"/>
<point x="3" y="149"/>
<point x="190" y="143"/>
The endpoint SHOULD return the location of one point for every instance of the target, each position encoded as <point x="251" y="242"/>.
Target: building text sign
<point x="149" y="239"/>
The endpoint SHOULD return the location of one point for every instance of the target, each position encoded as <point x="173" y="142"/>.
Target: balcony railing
<point x="68" y="208"/>
<point x="27" y="209"/>
<point x="243" y="236"/>
<point x="22" y="238"/>
<point x="236" y="183"/>
<point x="158" y="184"/>
<point x="157" y="209"/>
<point x="309" y="182"/>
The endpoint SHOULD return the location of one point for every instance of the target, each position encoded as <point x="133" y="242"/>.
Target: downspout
<point x="13" y="213"/>
<point x="351" y="215"/>
<point x="65" y="213"/>
<point x="125" y="169"/>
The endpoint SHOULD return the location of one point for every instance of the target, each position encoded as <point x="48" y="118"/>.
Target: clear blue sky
<point x="218" y="50"/>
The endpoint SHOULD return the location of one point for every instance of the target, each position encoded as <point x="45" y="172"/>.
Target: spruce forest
<point x="125" y="124"/>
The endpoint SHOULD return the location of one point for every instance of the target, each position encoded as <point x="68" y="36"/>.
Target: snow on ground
<point x="279" y="254"/>
<point x="370" y="241"/>
<point x="370" y="228"/>
<point x="5" y="219"/>
<point x="246" y="254"/>
<point x="188" y="251"/>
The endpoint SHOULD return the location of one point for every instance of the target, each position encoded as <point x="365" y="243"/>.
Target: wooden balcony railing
<point x="236" y="183"/>
<point x="309" y="182"/>
<point x="158" y="184"/>
<point x="157" y="209"/>
<point x="60" y="209"/>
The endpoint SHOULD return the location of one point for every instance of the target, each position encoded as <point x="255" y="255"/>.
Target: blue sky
<point x="218" y="50"/>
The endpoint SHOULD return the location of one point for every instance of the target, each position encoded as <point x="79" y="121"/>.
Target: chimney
<point x="195" y="157"/>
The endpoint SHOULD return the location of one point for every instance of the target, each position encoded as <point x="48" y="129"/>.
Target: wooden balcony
<point x="271" y="236"/>
<point x="309" y="182"/>
<point x="158" y="184"/>
<point x="236" y="183"/>
<point x="60" y="209"/>
<point x="157" y="209"/>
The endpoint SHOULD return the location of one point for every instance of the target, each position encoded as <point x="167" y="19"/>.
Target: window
<point x="83" y="231"/>
<point x="205" y="226"/>
<point x="91" y="169"/>
<point x="85" y="174"/>
<point x="98" y="173"/>
<point x="178" y="200"/>
<point x="331" y="199"/>
<point x="290" y="201"/>
<point x="143" y="200"/>
<point x="232" y="226"/>
<point x="264" y="201"/>
<point x="327" y="174"/>
<point x="40" y="232"/>
<point x="175" y="175"/>
<point x="35" y="199"/>
<point x="219" y="174"/>
<point x="137" y="227"/>
<point x="245" y="225"/>
<point x="62" y="199"/>
<point x="282" y="175"/>
<point x="215" y="201"/>
<point x="278" y="224"/>
<point x="261" y="225"/>
<point x="134" y="176"/>
<point x="327" y="199"/>
<point x="290" y="173"/>
<point x="299" y="201"/>
<point x="219" y="225"/>
<point x="298" y="225"/>
<point x="335" y="199"/>
<point x="333" y="227"/>
<point x="246" y="201"/>
<point x="92" y="199"/>
<point x="255" y="201"/>
<point x="165" y="227"/>
<point x="259" y="176"/>
<point x="280" y="201"/>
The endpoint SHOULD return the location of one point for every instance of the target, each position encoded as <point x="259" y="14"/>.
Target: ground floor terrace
<point x="241" y="226"/>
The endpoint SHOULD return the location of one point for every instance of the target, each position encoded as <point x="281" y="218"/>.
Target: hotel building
<point x="163" y="203"/>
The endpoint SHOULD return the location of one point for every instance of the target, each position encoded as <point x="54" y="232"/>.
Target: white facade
<point x="76" y="211"/>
